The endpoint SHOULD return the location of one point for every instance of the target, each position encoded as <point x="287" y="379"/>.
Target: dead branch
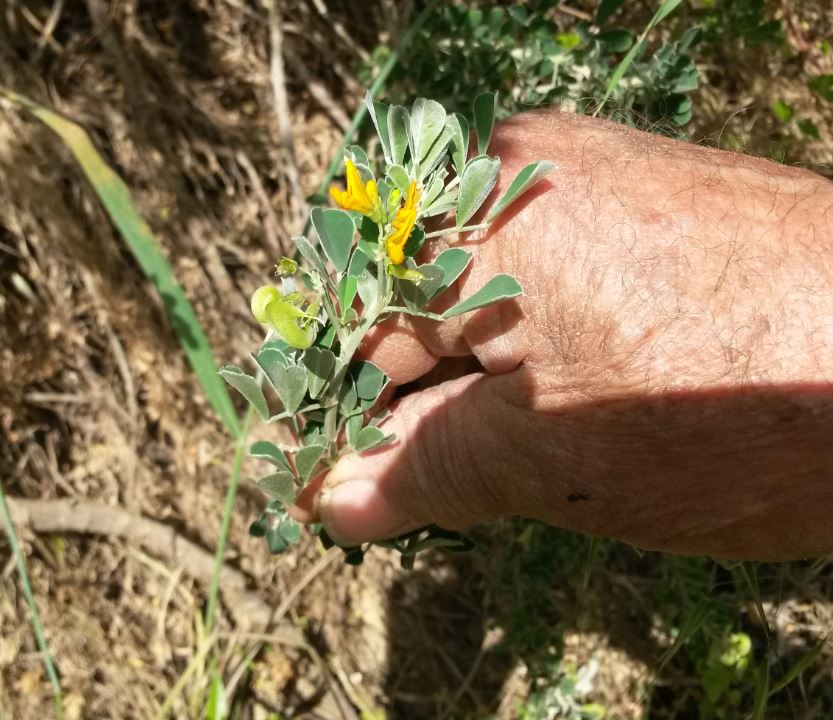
<point x="88" y="518"/>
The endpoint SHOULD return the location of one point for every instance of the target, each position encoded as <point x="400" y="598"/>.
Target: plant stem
<point x="37" y="627"/>
<point x="416" y="313"/>
<point x="453" y="230"/>
<point x="228" y="509"/>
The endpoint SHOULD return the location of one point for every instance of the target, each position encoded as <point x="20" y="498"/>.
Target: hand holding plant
<point x="356" y="273"/>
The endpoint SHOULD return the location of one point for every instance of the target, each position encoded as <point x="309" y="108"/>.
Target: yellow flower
<point x="402" y="226"/>
<point x="363" y="198"/>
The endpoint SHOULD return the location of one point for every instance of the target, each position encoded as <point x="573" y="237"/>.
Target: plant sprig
<point x="357" y="270"/>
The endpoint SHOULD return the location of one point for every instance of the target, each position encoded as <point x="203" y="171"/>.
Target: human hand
<point x="664" y="379"/>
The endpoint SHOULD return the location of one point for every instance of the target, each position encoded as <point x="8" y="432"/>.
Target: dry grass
<point x="98" y="403"/>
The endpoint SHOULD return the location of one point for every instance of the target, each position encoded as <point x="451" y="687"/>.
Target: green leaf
<point x="379" y="114"/>
<point x="498" y="289"/>
<point x="414" y="242"/>
<point x="347" y="289"/>
<point x="319" y="363"/>
<point x="370" y="438"/>
<point x="523" y="181"/>
<point x="306" y="459"/>
<point x="272" y="361"/>
<point x="247" y="386"/>
<point x="115" y="196"/>
<point x="217" y="708"/>
<point x="822" y="85"/>
<point x="417" y="294"/>
<point x="310" y="254"/>
<point x="281" y="533"/>
<point x="352" y="428"/>
<point x="335" y="229"/>
<point x="358" y="262"/>
<point x="291" y="386"/>
<point x="399" y="177"/>
<point x="441" y="205"/>
<point x="616" y="41"/>
<point x="279" y="486"/>
<point x="485" y="105"/>
<point x="459" y="140"/>
<point x="453" y="262"/>
<point x="606" y="9"/>
<point x="398" y="124"/>
<point x="478" y="181"/>
<point x="368" y="378"/>
<point x="761" y="696"/>
<point x="347" y="397"/>
<point x="368" y="288"/>
<point x="427" y="122"/>
<point x="265" y="450"/>
<point x="783" y="111"/>
<point x="436" y="155"/>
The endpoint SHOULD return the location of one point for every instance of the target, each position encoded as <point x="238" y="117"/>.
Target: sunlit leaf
<point x="478" y="181"/>
<point x="523" y="181"/>
<point x="498" y="289"/>
<point x="247" y="386"/>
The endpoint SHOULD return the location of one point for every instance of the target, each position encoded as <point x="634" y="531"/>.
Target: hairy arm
<point x="665" y="380"/>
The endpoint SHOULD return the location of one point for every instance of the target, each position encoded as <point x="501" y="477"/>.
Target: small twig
<point x="278" y="78"/>
<point x="319" y="92"/>
<point x="56" y="516"/>
<point x="575" y="12"/>
<point x="271" y="226"/>
<point x="49" y="28"/>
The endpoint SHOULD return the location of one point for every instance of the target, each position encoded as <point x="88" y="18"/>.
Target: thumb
<point x="437" y="471"/>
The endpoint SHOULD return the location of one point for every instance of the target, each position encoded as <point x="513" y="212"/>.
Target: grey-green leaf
<point x="453" y="262"/>
<point x="247" y="386"/>
<point x="335" y="229"/>
<point x="498" y="289"/>
<point x="352" y="428"/>
<point x="459" y="140"/>
<point x="291" y="386"/>
<point x="417" y="294"/>
<point x="306" y="459"/>
<point x="273" y="362"/>
<point x="427" y="122"/>
<point x="369" y="438"/>
<point x="279" y="486"/>
<point x="478" y="181"/>
<point x="369" y="379"/>
<point x="399" y="121"/>
<point x="265" y="450"/>
<point x="347" y="397"/>
<point x="347" y="289"/>
<point x="379" y="114"/>
<point x="436" y="155"/>
<point x="523" y="181"/>
<point x="319" y="363"/>
<point x="310" y="254"/>
<point x="399" y="177"/>
<point x="484" y="120"/>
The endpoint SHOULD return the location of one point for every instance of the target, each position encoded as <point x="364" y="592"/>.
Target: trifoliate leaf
<point x="427" y="122"/>
<point x="291" y="386"/>
<point x="453" y="262"/>
<point x="319" y="364"/>
<point x="417" y="294"/>
<point x="347" y="289"/>
<point x="523" y="181"/>
<point x="247" y="386"/>
<point x="459" y="140"/>
<point x="279" y="486"/>
<point x="379" y="114"/>
<point x="265" y="450"/>
<point x="335" y="229"/>
<point x="399" y="122"/>
<point x="368" y="378"/>
<point x="498" y="289"/>
<point x="478" y="181"/>
<point x="306" y="459"/>
<point x="371" y="437"/>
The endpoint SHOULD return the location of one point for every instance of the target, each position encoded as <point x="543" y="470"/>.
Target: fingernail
<point x="355" y="511"/>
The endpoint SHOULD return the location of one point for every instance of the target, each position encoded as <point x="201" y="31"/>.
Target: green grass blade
<point x="225" y="524"/>
<point x="116" y="199"/>
<point x="796" y="670"/>
<point x="664" y="11"/>
<point x="37" y="627"/>
<point x="760" y="702"/>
